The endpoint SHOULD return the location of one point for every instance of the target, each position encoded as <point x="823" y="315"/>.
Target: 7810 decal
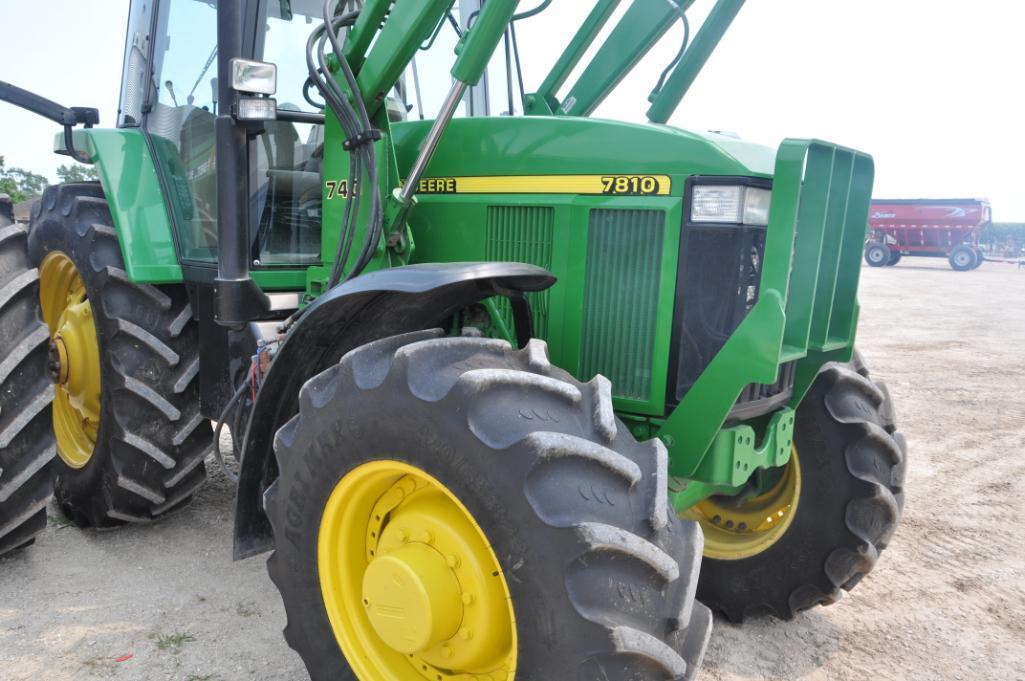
<point x="619" y="185"/>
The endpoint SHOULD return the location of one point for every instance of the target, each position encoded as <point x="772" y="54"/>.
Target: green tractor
<point x="496" y="384"/>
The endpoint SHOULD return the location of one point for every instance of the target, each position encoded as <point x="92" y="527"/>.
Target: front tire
<point x="129" y="432"/>
<point x="600" y="575"/>
<point x="850" y="466"/>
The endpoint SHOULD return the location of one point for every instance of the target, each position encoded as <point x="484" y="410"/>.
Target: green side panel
<point x="129" y="178"/>
<point x="624" y="254"/>
<point x="522" y="234"/>
<point x="279" y="279"/>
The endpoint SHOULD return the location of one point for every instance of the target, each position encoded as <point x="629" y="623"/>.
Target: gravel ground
<point x="947" y="600"/>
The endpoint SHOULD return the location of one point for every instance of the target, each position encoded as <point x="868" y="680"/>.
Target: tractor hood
<point x="536" y="145"/>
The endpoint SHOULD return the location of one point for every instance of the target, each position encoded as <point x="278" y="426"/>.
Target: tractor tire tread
<point x="599" y="545"/>
<point x="874" y="455"/>
<point x="150" y="451"/>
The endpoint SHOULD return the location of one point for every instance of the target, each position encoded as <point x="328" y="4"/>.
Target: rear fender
<point x="374" y="306"/>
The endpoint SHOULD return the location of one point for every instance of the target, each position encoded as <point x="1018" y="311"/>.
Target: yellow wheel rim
<point x="74" y="358"/>
<point x="740" y="529"/>
<point x="412" y="587"/>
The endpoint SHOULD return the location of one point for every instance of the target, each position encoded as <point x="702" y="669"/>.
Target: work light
<point x="730" y="204"/>
<point x="254" y="77"/>
<point x="256" y="109"/>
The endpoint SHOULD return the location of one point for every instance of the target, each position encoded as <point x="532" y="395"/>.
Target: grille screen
<point x="721" y="271"/>
<point x="522" y="234"/>
<point x="624" y="259"/>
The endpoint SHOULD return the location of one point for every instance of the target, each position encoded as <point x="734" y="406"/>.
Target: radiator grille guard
<point x="624" y="257"/>
<point x="802" y="312"/>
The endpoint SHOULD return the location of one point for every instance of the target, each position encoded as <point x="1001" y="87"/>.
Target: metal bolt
<point x="465" y="634"/>
<point x="729" y="524"/>
<point x="742" y="526"/>
<point x="467" y="599"/>
<point x="717" y="519"/>
<point x="453" y="561"/>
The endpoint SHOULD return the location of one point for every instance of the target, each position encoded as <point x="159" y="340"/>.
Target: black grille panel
<point x="721" y="267"/>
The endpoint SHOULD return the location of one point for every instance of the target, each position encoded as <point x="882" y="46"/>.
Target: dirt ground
<point x="947" y="600"/>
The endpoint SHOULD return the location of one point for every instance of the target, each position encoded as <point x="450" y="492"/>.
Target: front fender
<point x="374" y="306"/>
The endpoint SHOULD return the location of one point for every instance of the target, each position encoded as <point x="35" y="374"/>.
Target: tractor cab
<point x="170" y="92"/>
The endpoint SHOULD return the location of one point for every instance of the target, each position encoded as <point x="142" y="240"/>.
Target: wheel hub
<point x="74" y="358"/>
<point x="413" y="599"/>
<point x="741" y="527"/>
<point x="411" y="585"/>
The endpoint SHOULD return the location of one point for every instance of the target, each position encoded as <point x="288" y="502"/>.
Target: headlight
<point x="254" y="77"/>
<point x="730" y="204"/>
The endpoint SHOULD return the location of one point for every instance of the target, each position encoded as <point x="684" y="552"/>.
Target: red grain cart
<point x="937" y="228"/>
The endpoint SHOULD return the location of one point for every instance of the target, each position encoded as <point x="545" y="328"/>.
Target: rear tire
<point x="852" y="462"/>
<point x="877" y="254"/>
<point x="27" y="448"/>
<point x="149" y="450"/>
<point x="600" y="573"/>
<point x="894" y="258"/>
<point x="963" y="258"/>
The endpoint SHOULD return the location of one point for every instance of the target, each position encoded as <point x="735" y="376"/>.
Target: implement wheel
<point x="26" y="441"/>
<point x="816" y="526"/>
<point x="449" y="508"/>
<point x="963" y="258"/>
<point x="125" y="357"/>
<point x="877" y="254"/>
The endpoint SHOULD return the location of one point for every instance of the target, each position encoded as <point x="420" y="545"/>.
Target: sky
<point x="931" y="88"/>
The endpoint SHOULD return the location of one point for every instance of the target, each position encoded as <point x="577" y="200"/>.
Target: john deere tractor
<point x="498" y="374"/>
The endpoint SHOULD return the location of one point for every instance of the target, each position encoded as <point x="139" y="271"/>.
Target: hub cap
<point x="410" y="583"/>
<point x="74" y="358"/>
<point x="737" y="528"/>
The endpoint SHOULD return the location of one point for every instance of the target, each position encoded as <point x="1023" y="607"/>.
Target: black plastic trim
<point x="677" y="335"/>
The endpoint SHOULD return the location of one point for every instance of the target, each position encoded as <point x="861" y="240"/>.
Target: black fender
<point x="370" y="307"/>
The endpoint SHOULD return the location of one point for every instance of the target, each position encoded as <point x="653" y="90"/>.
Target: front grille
<point x="522" y="234"/>
<point x="624" y="261"/>
<point x="721" y="266"/>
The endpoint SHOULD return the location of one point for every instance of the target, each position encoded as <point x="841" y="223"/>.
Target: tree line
<point x="21" y="184"/>
<point x="1006" y="238"/>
